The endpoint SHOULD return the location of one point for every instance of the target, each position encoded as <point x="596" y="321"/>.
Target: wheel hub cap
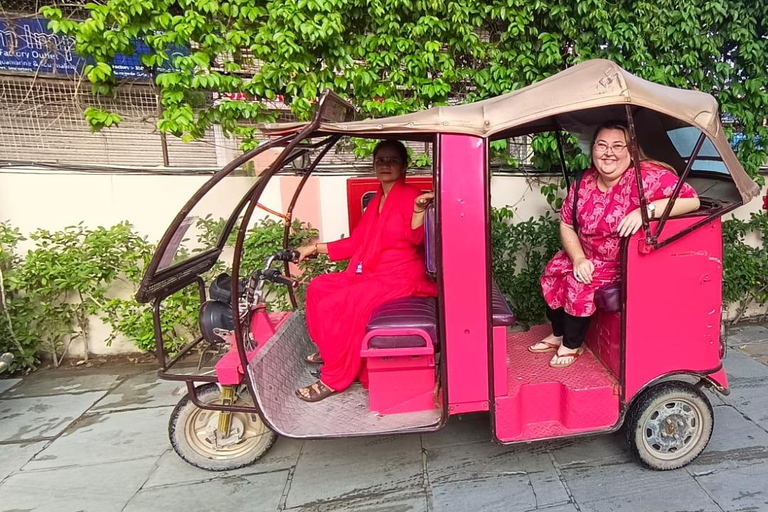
<point x="672" y="428"/>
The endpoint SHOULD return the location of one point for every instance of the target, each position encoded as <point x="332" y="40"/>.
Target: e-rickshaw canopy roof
<point x="559" y="102"/>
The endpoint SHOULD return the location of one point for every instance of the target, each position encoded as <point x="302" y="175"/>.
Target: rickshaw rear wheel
<point x="669" y="425"/>
<point x="193" y="430"/>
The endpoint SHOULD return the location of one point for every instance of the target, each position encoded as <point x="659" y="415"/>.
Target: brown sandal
<point x="549" y="347"/>
<point x="316" y="392"/>
<point x="314" y="358"/>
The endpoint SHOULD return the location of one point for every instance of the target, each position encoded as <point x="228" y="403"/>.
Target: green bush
<point x="519" y="253"/>
<point x="49" y="295"/>
<point x="745" y="267"/>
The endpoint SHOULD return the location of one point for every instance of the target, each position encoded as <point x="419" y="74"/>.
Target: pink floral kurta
<point x="599" y="214"/>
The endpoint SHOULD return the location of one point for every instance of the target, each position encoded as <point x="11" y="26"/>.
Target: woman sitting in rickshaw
<point x="607" y="209"/>
<point x="386" y="262"/>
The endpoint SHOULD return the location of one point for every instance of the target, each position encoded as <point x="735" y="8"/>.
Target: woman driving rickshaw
<point x="649" y="348"/>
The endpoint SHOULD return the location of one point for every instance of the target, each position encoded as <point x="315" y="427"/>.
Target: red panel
<point x="604" y="339"/>
<point x="673" y="305"/>
<point x="358" y="187"/>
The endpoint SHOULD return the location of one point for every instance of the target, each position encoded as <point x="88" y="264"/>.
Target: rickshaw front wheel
<point x="669" y="425"/>
<point x="196" y="439"/>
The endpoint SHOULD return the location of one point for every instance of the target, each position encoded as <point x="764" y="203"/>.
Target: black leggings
<point x="571" y="328"/>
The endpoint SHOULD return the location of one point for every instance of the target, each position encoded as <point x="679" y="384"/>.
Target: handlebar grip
<point x="286" y="255"/>
<point x="274" y="275"/>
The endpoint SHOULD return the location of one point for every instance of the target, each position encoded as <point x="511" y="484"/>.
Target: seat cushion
<point x="405" y="313"/>
<point x="502" y="314"/>
<point x="608" y="297"/>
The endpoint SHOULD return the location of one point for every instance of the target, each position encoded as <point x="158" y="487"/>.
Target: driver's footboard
<point x="280" y="368"/>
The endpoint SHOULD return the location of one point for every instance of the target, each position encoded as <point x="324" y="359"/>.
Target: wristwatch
<point x="651" y="210"/>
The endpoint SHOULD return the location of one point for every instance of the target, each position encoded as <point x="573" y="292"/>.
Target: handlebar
<point x="286" y="255"/>
<point x="273" y="275"/>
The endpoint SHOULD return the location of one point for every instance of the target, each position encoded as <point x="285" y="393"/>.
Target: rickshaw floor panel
<point x="280" y="368"/>
<point x="542" y="402"/>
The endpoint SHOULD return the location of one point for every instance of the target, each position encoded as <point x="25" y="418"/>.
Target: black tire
<point x="190" y="440"/>
<point x="669" y="425"/>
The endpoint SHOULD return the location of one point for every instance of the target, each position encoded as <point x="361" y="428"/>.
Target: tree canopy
<point x="395" y="56"/>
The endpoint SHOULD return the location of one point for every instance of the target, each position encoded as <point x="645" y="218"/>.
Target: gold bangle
<point x="316" y="251"/>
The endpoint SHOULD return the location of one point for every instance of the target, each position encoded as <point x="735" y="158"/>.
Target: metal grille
<point x="42" y="121"/>
<point x="70" y="8"/>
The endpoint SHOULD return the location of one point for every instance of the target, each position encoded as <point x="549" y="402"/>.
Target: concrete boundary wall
<point x="34" y="198"/>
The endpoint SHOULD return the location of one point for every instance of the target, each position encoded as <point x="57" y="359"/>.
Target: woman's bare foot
<point x="549" y="344"/>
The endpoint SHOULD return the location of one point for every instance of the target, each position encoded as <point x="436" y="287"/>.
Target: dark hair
<point x="398" y="146"/>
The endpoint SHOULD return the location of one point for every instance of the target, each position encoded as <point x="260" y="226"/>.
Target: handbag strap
<point x="576" y="185"/>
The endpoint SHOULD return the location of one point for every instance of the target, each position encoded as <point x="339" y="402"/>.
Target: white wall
<point x="33" y="199"/>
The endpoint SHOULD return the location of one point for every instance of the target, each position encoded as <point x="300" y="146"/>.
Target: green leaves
<point x="99" y="72"/>
<point x="99" y="119"/>
<point x="392" y="58"/>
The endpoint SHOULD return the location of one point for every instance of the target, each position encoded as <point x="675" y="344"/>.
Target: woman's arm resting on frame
<point x="419" y="207"/>
<point x="633" y="221"/>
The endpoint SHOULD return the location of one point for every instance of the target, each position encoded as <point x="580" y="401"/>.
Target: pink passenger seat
<point x="402" y="338"/>
<point x="421" y="312"/>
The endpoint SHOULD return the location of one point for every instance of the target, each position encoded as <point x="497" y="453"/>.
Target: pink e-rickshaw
<point x="654" y="343"/>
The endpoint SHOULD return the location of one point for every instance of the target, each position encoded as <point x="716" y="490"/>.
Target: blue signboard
<point x="27" y="46"/>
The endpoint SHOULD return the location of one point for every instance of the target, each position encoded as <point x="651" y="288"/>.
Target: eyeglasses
<point x="388" y="161"/>
<point x="602" y="147"/>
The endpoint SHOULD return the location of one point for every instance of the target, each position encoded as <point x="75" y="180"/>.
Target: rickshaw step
<point x="535" y="401"/>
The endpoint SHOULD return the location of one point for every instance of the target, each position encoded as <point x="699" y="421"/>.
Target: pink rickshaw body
<point x="653" y="343"/>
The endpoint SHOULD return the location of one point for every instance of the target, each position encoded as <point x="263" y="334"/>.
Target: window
<point x="708" y="159"/>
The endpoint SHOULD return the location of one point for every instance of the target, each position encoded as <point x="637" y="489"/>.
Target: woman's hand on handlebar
<point x="305" y="251"/>
<point x="583" y="270"/>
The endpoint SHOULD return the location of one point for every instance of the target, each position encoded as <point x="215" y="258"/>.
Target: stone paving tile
<point x="141" y="391"/>
<point x="45" y="385"/>
<point x="98" y="488"/>
<point x="738" y="489"/>
<point x="752" y="401"/>
<point x="565" y="507"/>
<point x="14" y="456"/>
<point x="258" y="493"/>
<point x="413" y="500"/>
<point x="101" y="438"/>
<point x="6" y="384"/>
<point x="23" y="419"/>
<point x="171" y="469"/>
<point x="747" y="334"/>
<point x="468" y="428"/>
<point x="742" y="370"/>
<point x="485" y="476"/>
<point x="600" y="449"/>
<point x="735" y="442"/>
<point x="336" y="469"/>
<point x="620" y="487"/>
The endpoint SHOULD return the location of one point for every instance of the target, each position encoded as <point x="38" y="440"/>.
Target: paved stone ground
<point x="97" y="441"/>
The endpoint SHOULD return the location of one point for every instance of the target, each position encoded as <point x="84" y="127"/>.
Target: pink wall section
<point x="307" y="208"/>
<point x="463" y="232"/>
